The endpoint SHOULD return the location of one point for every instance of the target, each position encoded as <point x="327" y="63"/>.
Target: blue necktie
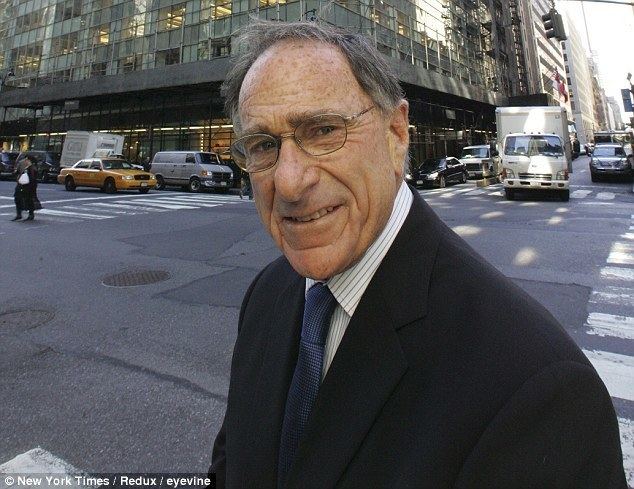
<point x="320" y="303"/>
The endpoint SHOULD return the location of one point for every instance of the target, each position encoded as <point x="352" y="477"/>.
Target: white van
<point x="479" y="161"/>
<point x="193" y="170"/>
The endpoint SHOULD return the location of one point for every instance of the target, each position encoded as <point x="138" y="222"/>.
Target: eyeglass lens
<point x="317" y="136"/>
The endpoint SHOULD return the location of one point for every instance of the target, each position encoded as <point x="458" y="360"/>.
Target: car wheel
<point x="564" y="195"/>
<point x="194" y="185"/>
<point x="442" y="183"/>
<point x="144" y="190"/>
<point x="594" y="177"/>
<point x="109" y="186"/>
<point x="509" y="193"/>
<point x="463" y="178"/>
<point x="160" y="183"/>
<point x="69" y="184"/>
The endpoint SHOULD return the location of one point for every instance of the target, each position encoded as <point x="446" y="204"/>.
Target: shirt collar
<point x="348" y="287"/>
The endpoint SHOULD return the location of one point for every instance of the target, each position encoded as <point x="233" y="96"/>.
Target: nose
<point x="294" y="171"/>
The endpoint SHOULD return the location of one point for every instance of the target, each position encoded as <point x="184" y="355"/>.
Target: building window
<point x="168" y="57"/>
<point x="101" y="34"/>
<point x="171" y="17"/>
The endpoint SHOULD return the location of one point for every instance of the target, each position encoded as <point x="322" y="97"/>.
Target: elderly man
<point x="356" y="364"/>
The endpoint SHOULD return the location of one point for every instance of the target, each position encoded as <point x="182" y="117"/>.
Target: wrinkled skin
<point x="323" y="212"/>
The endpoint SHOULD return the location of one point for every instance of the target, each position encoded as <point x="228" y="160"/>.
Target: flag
<point x="559" y="85"/>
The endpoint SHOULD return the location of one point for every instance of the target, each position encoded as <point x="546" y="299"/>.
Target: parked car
<point x="47" y="163"/>
<point x="610" y="159"/>
<point x="193" y="170"/>
<point x="7" y="163"/>
<point x="438" y="172"/>
<point x="107" y="174"/>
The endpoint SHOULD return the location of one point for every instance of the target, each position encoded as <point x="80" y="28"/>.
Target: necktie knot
<point x="320" y="304"/>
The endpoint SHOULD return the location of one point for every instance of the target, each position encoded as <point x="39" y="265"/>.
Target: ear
<point x="398" y="136"/>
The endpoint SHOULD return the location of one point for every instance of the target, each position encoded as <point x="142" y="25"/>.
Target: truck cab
<point x="534" y="161"/>
<point x="481" y="161"/>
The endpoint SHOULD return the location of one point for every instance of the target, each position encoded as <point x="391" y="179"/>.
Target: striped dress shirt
<point x="348" y="287"/>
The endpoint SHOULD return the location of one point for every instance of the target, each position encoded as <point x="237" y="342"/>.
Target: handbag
<point x="24" y="179"/>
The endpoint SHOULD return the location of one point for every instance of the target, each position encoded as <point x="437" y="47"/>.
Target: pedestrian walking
<point x="25" y="194"/>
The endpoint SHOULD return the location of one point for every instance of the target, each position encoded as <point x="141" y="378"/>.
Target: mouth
<point x="314" y="216"/>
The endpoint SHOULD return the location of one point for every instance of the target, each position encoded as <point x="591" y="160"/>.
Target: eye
<point x="259" y="144"/>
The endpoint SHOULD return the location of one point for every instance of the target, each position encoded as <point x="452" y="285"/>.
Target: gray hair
<point x="372" y="72"/>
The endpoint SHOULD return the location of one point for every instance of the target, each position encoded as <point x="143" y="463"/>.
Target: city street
<point x="118" y="313"/>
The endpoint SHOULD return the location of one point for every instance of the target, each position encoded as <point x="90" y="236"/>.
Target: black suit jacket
<point x="448" y="375"/>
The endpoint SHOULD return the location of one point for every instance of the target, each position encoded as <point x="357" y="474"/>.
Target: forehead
<point x="294" y="77"/>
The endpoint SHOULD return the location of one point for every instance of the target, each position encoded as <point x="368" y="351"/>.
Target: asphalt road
<point x="134" y="378"/>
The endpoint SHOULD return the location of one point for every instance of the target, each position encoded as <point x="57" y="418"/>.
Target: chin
<point x="316" y="265"/>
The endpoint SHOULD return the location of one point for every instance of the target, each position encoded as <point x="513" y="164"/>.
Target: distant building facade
<point x="579" y="81"/>
<point x="151" y="69"/>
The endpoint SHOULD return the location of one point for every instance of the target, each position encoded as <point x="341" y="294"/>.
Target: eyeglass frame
<point x="286" y="135"/>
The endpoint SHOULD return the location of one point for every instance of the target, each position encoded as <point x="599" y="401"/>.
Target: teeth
<point x="315" y="215"/>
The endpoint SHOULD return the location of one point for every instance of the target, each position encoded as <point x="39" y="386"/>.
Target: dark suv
<point x="7" y="163"/>
<point x="47" y="163"/>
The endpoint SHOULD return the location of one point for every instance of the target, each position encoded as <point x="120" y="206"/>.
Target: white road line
<point x="626" y="428"/>
<point x="621" y="254"/>
<point x="618" y="273"/>
<point x="601" y="324"/>
<point x="616" y="371"/>
<point x="136" y="209"/>
<point x="580" y="194"/>
<point x="196" y="203"/>
<point x="165" y="205"/>
<point x="39" y="463"/>
<point x="605" y="195"/>
<point x="51" y="212"/>
<point x="620" y="296"/>
<point x="108" y="209"/>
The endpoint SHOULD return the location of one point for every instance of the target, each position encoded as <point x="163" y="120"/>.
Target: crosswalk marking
<point x="83" y="215"/>
<point x="580" y="194"/>
<point x="626" y="429"/>
<point x="185" y="202"/>
<point x="618" y="273"/>
<point x="135" y="209"/>
<point x="620" y="296"/>
<point x="602" y="324"/>
<point x="605" y="195"/>
<point x="157" y="203"/>
<point x="621" y="253"/>
<point x="616" y="371"/>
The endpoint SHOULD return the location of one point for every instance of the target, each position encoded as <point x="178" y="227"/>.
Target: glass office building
<point x="152" y="69"/>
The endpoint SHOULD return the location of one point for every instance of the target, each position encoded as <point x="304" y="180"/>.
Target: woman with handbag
<point x="25" y="195"/>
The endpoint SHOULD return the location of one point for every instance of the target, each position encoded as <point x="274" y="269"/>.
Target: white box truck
<point x="535" y="150"/>
<point x="79" y="145"/>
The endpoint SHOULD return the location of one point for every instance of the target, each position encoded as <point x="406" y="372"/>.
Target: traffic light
<point x="554" y="25"/>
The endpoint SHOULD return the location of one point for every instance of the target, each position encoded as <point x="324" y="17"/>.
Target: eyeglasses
<point x="317" y="136"/>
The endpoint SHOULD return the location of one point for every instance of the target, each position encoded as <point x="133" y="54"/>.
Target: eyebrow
<point x="294" y="119"/>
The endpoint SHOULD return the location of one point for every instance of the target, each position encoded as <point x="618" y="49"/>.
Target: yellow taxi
<point x="107" y="174"/>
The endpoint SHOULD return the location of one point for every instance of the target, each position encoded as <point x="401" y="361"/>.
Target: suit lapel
<point x="369" y="362"/>
<point x="261" y="421"/>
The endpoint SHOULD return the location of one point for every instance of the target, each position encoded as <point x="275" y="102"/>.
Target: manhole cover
<point x="139" y="277"/>
<point x="26" y="319"/>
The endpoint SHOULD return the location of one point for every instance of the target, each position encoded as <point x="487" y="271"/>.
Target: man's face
<point x="322" y="211"/>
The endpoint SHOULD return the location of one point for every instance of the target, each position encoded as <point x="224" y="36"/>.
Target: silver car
<point x="609" y="159"/>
